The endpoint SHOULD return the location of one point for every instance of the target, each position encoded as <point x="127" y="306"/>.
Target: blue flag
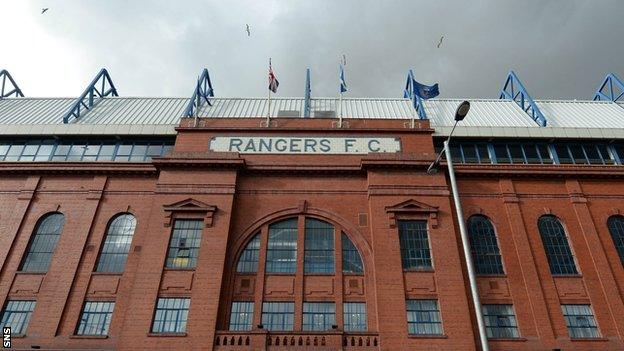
<point x="343" y="83"/>
<point x="423" y="91"/>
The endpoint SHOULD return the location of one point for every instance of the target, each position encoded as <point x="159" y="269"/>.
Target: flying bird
<point x="248" y="30"/>
<point x="440" y="42"/>
<point x="43" y="10"/>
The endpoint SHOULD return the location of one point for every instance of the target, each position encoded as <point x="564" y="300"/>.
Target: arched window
<point x="616" y="228"/>
<point x="351" y="260"/>
<point x="282" y="247"/>
<point x="248" y="261"/>
<point x="558" y="252"/>
<point x="319" y="247"/>
<point x="42" y="243"/>
<point x="483" y="245"/>
<point x="116" y="244"/>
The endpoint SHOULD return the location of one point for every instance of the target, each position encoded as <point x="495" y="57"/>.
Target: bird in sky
<point x="248" y="30"/>
<point x="43" y="10"/>
<point x="440" y="42"/>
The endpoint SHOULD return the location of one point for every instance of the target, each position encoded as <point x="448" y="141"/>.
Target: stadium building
<point x="207" y="223"/>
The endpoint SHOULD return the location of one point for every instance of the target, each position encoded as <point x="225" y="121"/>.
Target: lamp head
<point x="462" y="111"/>
<point x="433" y="168"/>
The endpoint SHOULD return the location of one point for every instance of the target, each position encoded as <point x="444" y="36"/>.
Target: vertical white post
<point x="269" y="111"/>
<point x="340" y="111"/>
<point x="466" y="245"/>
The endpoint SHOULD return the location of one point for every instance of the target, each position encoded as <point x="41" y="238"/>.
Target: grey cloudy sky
<point x="560" y="49"/>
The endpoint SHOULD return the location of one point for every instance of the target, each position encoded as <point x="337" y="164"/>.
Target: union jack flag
<point x="273" y="83"/>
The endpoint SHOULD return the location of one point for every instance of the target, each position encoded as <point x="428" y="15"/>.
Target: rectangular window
<point x="354" y="316"/>
<point x="604" y="154"/>
<point x="241" y="317"/>
<point x="577" y="153"/>
<point x="530" y="151"/>
<point x="562" y="154"/>
<point x="171" y="315"/>
<point x="123" y="152"/>
<point x="500" y="321"/>
<point x="423" y="317"/>
<point x="14" y="152"/>
<point x="470" y="153"/>
<point x="484" y="154"/>
<point x="278" y="316"/>
<point x="580" y="321"/>
<point x="318" y="316"/>
<point x="95" y="318"/>
<point x="184" y="245"/>
<point x="282" y="247"/>
<point x="414" y="241"/>
<point x="17" y="314"/>
<point x="517" y="156"/>
<point x="319" y="247"/>
<point x="138" y="152"/>
<point x="544" y="153"/>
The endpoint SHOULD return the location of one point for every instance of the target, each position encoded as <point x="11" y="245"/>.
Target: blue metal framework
<point x="4" y="76"/>
<point x="92" y="95"/>
<point x="515" y="90"/>
<point x="607" y="91"/>
<point x="203" y="91"/>
<point x="308" y="92"/>
<point x="409" y="92"/>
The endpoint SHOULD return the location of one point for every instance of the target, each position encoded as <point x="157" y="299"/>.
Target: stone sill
<point x="507" y="339"/>
<point x="588" y="339"/>
<point x="88" y="336"/>
<point x="167" y="334"/>
<point x="428" y="336"/>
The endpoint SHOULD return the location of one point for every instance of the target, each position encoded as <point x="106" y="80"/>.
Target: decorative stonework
<point x="189" y="207"/>
<point x="412" y="209"/>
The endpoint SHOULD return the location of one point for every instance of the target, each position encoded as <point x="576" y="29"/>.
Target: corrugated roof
<point x="157" y="116"/>
<point x="582" y="114"/>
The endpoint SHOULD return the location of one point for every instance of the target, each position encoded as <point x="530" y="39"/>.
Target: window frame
<point x="591" y="315"/>
<point x="25" y="315"/>
<point x="178" y="321"/>
<point x="34" y="236"/>
<point x="618" y="243"/>
<point x="197" y="236"/>
<point x="354" y="327"/>
<point x="475" y="255"/>
<point x="238" y="313"/>
<point x="406" y="250"/>
<point x="100" y="269"/>
<point x="429" y="312"/>
<point x="284" y="314"/>
<point x="551" y="264"/>
<point x="491" y="328"/>
<point x="108" y="317"/>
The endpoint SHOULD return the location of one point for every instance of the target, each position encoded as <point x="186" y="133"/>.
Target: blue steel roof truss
<point x="611" y="89"/>
<point x="4" y="92"/>
<point x="203" y="91"/>
<point x="410" y="92"/>
<point x="101" y="86"/>
<point x="515" y="90"/>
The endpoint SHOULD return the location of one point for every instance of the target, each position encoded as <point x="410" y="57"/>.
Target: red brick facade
<point x="239" y="195"/>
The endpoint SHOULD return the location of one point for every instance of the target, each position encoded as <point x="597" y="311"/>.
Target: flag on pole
<point x="423" y="91"/>
<point x="343" y="83"/>
<point x="273" y="83"/>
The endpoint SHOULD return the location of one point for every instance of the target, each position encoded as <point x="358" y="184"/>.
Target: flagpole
<point x="340" y="111"/>
<point x="269" y="112"/>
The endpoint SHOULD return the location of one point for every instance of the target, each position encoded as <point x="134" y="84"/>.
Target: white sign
<point x="304" y="145"/>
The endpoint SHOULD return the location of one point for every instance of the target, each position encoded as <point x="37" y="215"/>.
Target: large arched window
<point x="558" y="252"/>
<point x="117" y="244"/>
<point x="484" y="247"/>
<point x="319" y="247"/>
<point x="616" y="228"/>
<point x="42" y="243"/>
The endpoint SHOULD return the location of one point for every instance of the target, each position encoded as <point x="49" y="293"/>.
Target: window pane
<point x="456" y="154"/>
<point x="484" y="155"/>
<point x="470" y="153"/>
<point x="530" y="151"/>
<point x="484" y="247"/>
<point x="563" y="154"/>
<point x="423" y="317"/>
<point x="605" y="155"/>
<point x="106" y="152"/>
<point x="318" y="316"/>
<point x="241" y="317"/>
<point x="577" y="153"/>
<point x="282" y="247"/>
<point x="138" y="153"/>
<point x="500" y="321"/>
<point x="75" y="152"/>
<point x="117" y="244"/>
<point x="95" y="318"/>
<point x="319" y="247"/>
<point x="555" y="242"/>
<point x="278" y="316"/>
<point x="248" y="261"/>
<point x="351" y="260"/>
<point x="516" y="153"/>
<point x="42" y="244"/>
<point x="616" y="228"/>
<point x="544" y="153"/>
<point x="580" y="321"/>
<point x="16" y="315"/>
<point x="500" y="150"/>
<point x="184" y="244"/>
<point x="171" y="315"/>
<point x="593" y="156"/>
<point x="354" y="316"/>
<point x="414" y="243"/>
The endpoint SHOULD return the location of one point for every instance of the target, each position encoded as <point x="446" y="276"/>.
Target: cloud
<point x="560" y="49"/>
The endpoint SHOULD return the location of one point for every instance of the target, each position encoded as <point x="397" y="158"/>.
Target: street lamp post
<point x="462" y="111"/>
